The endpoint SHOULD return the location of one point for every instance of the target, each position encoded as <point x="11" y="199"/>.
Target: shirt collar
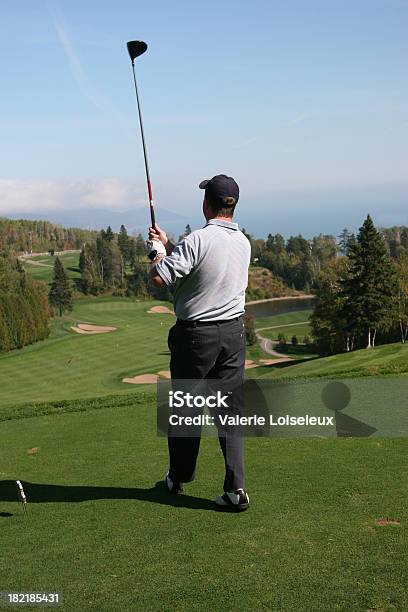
<point x="221" y="223"/>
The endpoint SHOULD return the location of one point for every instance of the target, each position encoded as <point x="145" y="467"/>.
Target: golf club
<point x="136" y="48"/>
<point x="21" y="495"/>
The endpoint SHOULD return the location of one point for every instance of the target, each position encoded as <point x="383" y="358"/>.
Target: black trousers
<point x="216" y="352"/>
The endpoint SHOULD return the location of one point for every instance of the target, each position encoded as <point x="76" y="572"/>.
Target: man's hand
<point x="156" y="233"/>
<point x="155" y="249"/>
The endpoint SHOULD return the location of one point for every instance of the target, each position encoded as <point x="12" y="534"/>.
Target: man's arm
<point x="159" y="235"/>
<point x="154" y="276"/>
<point x="169" y="262"/>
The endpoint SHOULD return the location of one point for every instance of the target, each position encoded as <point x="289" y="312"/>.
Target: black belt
<point x="187" y="323"/>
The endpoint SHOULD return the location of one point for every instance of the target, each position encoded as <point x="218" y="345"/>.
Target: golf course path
<point x="286" y="325"/>
<point x="34" y="263"/>
<point x="267" y="345"/>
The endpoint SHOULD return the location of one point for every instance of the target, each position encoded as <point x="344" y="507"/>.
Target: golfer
<point x="208" y="273"/>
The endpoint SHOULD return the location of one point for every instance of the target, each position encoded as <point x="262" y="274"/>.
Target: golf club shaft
<point x="149" y="186"/>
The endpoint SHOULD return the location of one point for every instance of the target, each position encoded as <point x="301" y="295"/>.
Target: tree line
<point x="117" y="263"/>
<point x="298" y="261"/>
<point x="24" y="308"/>
<point x="362" y="295"/>
<point x="24" y="236"/>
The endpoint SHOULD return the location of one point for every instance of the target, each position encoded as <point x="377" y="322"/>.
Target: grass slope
<point x="68" y="365"/>
<point x="390" y="359"/>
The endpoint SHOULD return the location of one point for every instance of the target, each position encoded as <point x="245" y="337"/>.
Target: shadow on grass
<point x="44" y="493"/>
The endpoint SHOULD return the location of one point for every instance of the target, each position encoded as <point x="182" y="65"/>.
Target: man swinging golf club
<point x="208" y="271"/>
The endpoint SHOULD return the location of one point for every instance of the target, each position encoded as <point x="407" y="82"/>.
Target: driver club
<point x="136" y="48"/>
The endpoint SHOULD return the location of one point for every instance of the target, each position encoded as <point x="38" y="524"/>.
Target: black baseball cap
<point x="221" y="186"/>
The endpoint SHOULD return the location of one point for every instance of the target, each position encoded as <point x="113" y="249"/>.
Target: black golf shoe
<point x="233" y="501"/>
<point x="172" y="487"/>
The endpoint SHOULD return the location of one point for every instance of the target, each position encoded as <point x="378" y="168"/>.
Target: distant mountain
<point x="134" y="219"/>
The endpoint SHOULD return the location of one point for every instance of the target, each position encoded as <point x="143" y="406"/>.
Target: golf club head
<point x="136" y="48"/>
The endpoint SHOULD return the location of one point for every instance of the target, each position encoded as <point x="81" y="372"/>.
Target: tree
<point x="275" y="244"/>
<point x="294" y="341"/>
<point x="404" y="239"/>
<point x="140" y="249"/>
<point x="81" y="263"/>
<point x="402" y="297"/>
<point x="124" y="244"/>
<point x="187" y="231"/>
<point x="369" y="285"/>
<point x="327" y="321"/>
<point x="250" y="334"/>
<point x="344" y="241"/>
<point x="138" y="281"/>
<point x="282" y="342"/>
<point x="307" y="341"/>
<point x="297" y="245"/>
<point x="60" y="294"/>
<point x="109" y="235"/>
<point x="323" y="249"/>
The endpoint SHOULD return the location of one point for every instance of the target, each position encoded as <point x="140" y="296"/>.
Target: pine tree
<point x="82" y="261"/>
<point x="140" y="247"/>
<point x="124" y="243"/>
<point x="368" y="288"/>
<point x="327" y="320"/>
<point x="344" y="241"/>
<point x="250" y="333"/>
<point x="187" y="231"/>
<point x="109" y="235"/>
<point x="60" y="294"/>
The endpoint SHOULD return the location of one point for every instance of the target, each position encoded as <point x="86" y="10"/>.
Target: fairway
<point x="300" y="330"/>
<point x="41" y="266"/>
<point x="68" y="365"/>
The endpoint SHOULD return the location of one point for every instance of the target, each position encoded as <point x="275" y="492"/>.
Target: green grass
<point x="40" y="272"/>
<point x="98" y="530"/>
<point x="390" y="359"/>
<point x="68" y="365"/>
<point x="298" y="316"/>
<point x="300" y="331"/>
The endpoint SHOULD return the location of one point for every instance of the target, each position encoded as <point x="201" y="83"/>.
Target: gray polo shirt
<point x="209" y="272"/>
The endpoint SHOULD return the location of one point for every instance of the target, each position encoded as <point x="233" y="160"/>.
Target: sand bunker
<point x="160" y="310"/>
<point x="164" y="374"/>
<point x="249" y="363"/>
<point x="271" y="361"/>
<point x="86" y="328"/>
<point x="142" y="379"/>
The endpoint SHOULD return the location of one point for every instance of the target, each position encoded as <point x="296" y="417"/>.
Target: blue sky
<point x="305" y="103"/>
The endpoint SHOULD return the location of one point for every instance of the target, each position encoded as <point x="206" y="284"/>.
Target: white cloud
<point x="33" y="196"/>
